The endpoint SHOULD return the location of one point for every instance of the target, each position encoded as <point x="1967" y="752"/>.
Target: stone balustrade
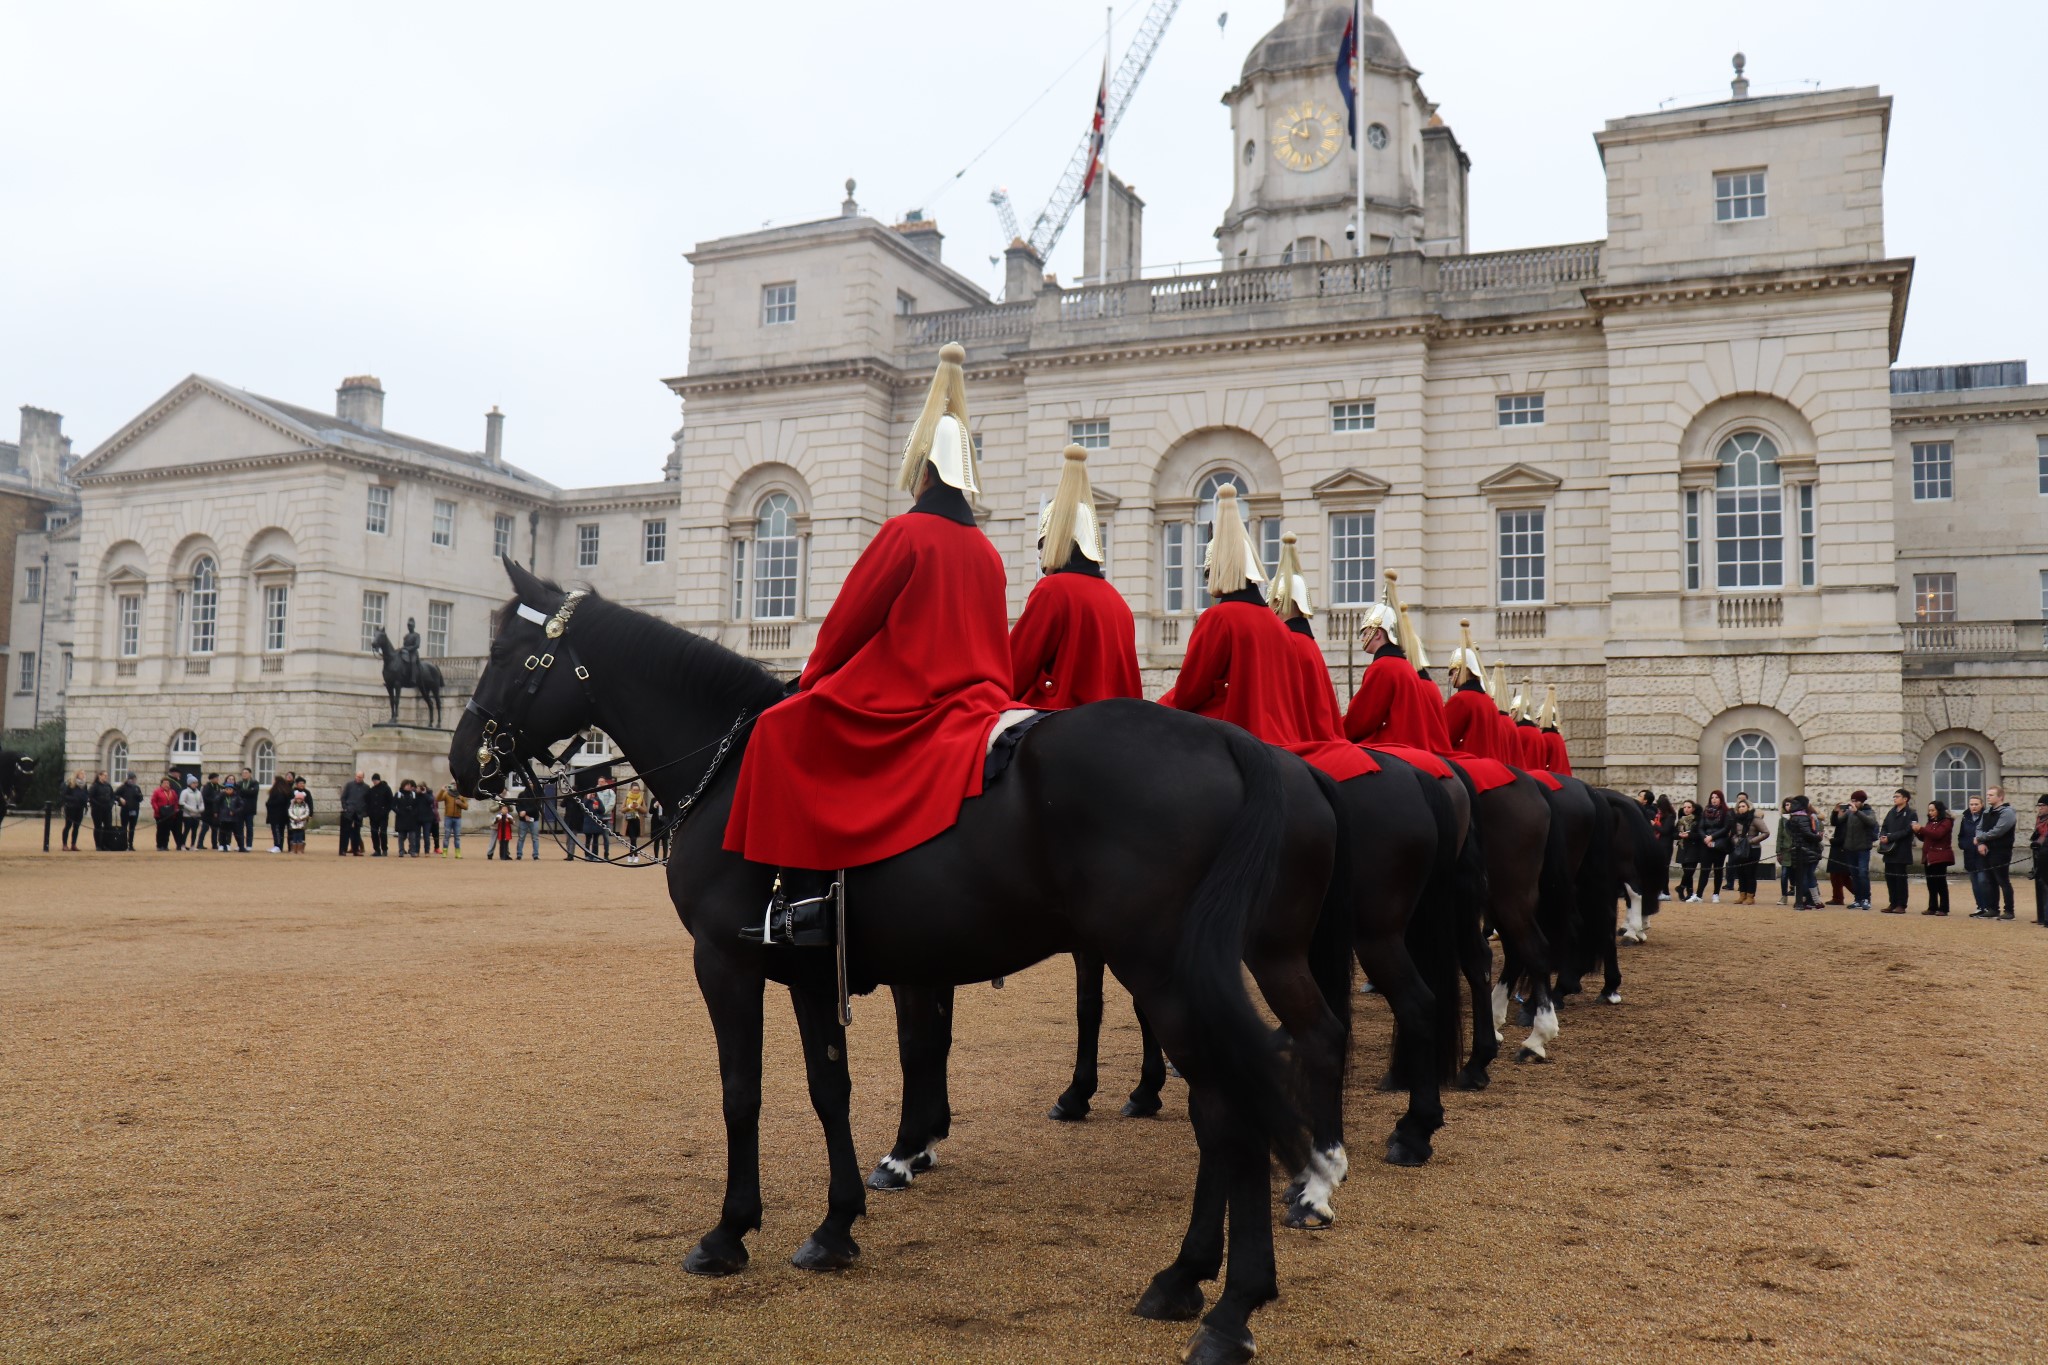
<point x="1406" y="284"/>
<point x="1760" y="612"/>
<point x="1998" y="638"/>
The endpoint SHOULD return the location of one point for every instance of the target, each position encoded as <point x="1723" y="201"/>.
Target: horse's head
<point x="381" y="642"/>
<point x="15" y="772"/>
<point x="525" y="698"/>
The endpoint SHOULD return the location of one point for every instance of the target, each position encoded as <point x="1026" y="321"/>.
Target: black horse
<point x="1404" y="829"/>
<point x="1635" y="878"/>
<point x="427" y="679"/>
<point x="15" y="772"/>
<point x="1173" y="847"/>
<point x="1575" y="886"/>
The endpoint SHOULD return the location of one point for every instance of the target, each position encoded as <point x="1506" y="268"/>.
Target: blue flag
<point x="1347" y="52"/>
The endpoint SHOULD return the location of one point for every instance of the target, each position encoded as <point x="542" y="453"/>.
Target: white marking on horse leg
<point x="1326" y="1171"/>
<point x="1500" y="1008"/>
<point x="930" y="1156"/>
<point x="1544" y="1032"/>
<point x="1637" y="931"/>
<point x="1612" y="997"/>
<point x="901" y="1168"/>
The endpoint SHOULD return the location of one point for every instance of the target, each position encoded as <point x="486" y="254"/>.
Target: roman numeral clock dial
<point x="1306" y="137"/>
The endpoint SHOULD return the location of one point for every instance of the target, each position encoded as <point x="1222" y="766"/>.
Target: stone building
<point x="240" y="554"/>
<point x="1666" y="470"/>
<point x="39" y="568"/>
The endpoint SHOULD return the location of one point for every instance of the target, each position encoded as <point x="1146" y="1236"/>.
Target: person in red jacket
<point x="1290" y="601"/>
<point x="1395" y="704"/>
<point x="885" y="735"/>
<point x="1241" y="666"/>
<point x="1507" y="741"/>
<point x="1470" y="717"/>
<point x="1076" y="641"/>
<point x="1528" y="735"/>
<point x="1555" y="758"/>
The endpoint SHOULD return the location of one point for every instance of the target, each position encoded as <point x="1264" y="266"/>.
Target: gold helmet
<point x="1465" y="659"/>
<point x="1068" y="521"/>
<point x="1411" y="638"/>
<point x="1288" y="592"/>
<point x="1232" y="562"/>
<point x="1547" y="718"/>
<point x="1497" y="687"/>
<point x="940" y="437"/>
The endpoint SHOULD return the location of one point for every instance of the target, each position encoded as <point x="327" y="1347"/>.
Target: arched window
<point x="1750" y="764"/>
<point x="1958" y="776"/>
<point x="775" y="558"/>
<point x="185" y="749"/>
<point x="1749" y="513"/>
<point x="117" y="760"/>
<point x="1305" y="249"/>
<point x="263" y="761"/>
<point x="205" y="604"/>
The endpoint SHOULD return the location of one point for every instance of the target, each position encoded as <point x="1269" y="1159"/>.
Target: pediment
<point x="1351" y="483"/>
<point x="127" y="576"/>
<point x="274" y="564"/>
<point x="1106" y="502"/>
<point x="196" y="424"/>
<point x="1520" y="481"/>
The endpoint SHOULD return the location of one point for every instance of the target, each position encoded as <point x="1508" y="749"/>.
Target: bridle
<point x="504" y="734"/>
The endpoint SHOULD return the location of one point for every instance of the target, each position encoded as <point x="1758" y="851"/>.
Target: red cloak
<point x="1076" y="642"/>
<point x="1241" y="667"/>
<point x="1529" y="747"/>
<point x="1469" y="718"/>
<point x="1319" y="694"/>
<point x="887" y="732"/>
<point x="1555" y="758"/>
<point x="1397" y="705"/>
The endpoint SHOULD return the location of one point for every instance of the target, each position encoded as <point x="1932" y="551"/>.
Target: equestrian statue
<point x="403" y="668"/>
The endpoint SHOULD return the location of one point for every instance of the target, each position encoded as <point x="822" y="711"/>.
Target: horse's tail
<point x="1208" y="961"/>
<point x="1330" y="951"/>
<point x="1593" y="920"/>
<point x="1432" y="936"/>
<point x="1639" y="852"/>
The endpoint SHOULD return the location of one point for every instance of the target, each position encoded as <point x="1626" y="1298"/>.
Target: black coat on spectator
<point x="378" y="803"/>
<point x="1895" y="837"/>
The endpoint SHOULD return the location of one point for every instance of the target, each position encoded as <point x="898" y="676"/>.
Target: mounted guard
<point x="1395" y="704"/>
<point x="1469" y="713"/>
<point x="1289" y="599"/>
<point x="1077" y="641"/>
<point x="887" y="730"/>
<point x="1555" y="758"/>
<point x="1240" y="664"/>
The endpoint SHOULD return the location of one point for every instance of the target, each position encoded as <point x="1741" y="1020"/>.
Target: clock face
<point x="1306" y="137"/>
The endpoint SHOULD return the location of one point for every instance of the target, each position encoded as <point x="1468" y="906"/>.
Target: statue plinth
<point x="400" y="751"/>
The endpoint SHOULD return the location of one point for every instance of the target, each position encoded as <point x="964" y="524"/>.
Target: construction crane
<point x="1066" y="197"/>
<point x="1000" y="197"/>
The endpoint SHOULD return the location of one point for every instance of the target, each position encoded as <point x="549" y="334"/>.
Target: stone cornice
<point x="865" y="370"/>
<point x="1988" y="411"/>
<point x="285" y="459"/>
<point x="1895" y="276"/>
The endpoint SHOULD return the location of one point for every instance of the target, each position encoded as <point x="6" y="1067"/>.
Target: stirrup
<point x="806" y="922"/>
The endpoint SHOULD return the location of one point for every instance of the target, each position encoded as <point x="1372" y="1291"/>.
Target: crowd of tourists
<point x="217" y="812"/>
<point x="1728" y="848"/>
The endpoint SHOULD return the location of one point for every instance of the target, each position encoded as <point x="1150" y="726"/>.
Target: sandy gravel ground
<point x="260" y="1108"/>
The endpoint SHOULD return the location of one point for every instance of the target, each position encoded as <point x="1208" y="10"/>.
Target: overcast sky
<point x="489" y="203"/>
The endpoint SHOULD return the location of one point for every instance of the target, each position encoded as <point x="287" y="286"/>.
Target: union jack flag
<point x="1095" y="137"/>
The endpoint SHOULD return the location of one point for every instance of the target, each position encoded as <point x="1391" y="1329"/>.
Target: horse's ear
<point x="524" y="585"/>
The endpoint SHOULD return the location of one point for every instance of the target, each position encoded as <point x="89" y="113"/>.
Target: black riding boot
<point x="802" y="911"/>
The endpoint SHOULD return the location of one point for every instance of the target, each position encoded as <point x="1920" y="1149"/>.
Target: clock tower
<point x="1295" y="192"/>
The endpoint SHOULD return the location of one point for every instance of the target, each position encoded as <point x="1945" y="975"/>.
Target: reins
<point x="502" y="735"/>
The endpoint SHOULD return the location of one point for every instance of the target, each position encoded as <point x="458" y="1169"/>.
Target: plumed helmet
<point x="940" y="437"/>
<point x="1465" y="659"/>
<point x="1410" y="638"/>
<point x="1548" y="717"/>
<point x="1288" y="593"/>
<point x="1231" y="561"/>
<point x="1068" y="521"/>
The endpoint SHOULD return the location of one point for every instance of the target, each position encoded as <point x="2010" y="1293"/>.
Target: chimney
<point x="494" y="436"/>
<point x="44" y="447"/>
<point x="1023" y="272"/>
<point x="360" y="399"/>
<point x="922" y="233"/>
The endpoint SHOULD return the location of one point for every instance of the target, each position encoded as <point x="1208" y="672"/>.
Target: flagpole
<point x="1102" y="228"/>
<point x="1358" y="116"/>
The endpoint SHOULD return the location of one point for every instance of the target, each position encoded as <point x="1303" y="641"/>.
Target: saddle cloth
<point x="1420" y="758"/>
<point x="1487" y="774"/>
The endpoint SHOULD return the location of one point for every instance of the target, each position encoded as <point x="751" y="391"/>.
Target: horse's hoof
<point x="1530" y="1055"/>
<point x="1211" y="1347"/>
<point x="816" y="1255"/>
<point x="1169" y="1298"/>
<point x="1611" y="998"/>
<point x="715" y="1264"/>
<point x="1405" y="1151"/>
<point x="1473" y="1078"/>
<point x="890" y="1176"/>
<point x="1306" y="1217"/>
<point x="1064" y="1112"/>
<point x="1140" y="1108"/>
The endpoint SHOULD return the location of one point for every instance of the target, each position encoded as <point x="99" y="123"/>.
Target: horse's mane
<point x="703" y="668"/>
